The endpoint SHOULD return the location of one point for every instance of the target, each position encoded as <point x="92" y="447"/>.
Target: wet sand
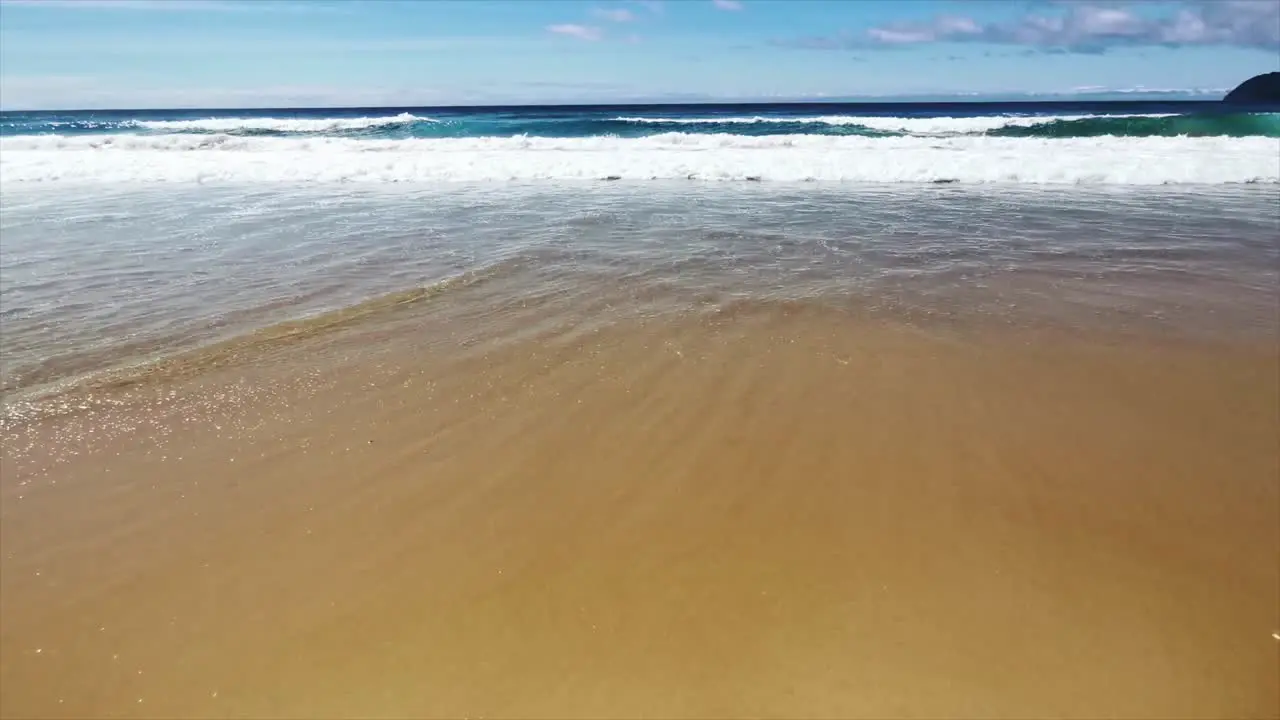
<point x="464" y="508"/>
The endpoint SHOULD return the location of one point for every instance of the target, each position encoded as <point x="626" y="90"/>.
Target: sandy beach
<point x="473" y="506"/>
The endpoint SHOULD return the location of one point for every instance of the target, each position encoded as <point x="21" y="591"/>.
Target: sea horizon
<point x="937" y="99"/>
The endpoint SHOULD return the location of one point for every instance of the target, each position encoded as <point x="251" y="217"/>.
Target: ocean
<point x="827" y="410"/>
<point x="132" y="234"/>
<point x="1120" y="143"/>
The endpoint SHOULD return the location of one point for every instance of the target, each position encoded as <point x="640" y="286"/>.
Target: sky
<point x="94" y="54"/>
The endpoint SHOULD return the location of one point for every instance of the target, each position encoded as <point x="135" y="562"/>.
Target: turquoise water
<point x="1041" y="119"/>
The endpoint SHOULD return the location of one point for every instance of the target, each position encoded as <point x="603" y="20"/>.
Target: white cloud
<point x="727" y="4"/>
<point x="582" y="32"/>
<point x="1087" y="27"/>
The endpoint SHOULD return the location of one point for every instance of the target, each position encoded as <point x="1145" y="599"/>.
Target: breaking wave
<point x="1059" y="126"/>
<point x="281" y="125"/>
<point x="407" y="125"/>
<point x="193" y="158"/>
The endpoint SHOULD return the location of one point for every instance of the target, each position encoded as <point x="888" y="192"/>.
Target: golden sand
<point x="775" y="511"/>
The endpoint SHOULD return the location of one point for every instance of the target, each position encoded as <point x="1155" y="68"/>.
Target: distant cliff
<point x="1264" y="88"/>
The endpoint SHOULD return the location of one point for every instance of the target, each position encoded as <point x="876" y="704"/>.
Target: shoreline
<point x="137" y="273"/>
<point x="481" y="506"/>
<point x="602" y="300"/>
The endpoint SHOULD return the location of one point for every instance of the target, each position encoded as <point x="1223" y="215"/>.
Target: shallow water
<point x="95" y="276"/>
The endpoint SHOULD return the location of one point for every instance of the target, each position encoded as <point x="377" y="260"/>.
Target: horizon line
<point x="1006" y="98"/>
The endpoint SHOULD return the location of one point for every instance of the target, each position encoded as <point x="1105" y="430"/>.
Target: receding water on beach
<point x="94" y="279"/>
<point x="920" y="416"/>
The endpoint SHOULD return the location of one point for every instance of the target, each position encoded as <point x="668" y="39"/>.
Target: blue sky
<point x="275" y="53"/>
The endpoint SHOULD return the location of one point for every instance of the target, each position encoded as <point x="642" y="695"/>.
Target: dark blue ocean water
<point x="1001" y="119"/>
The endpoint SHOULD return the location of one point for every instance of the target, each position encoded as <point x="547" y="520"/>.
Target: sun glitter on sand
<point x="769" y="508"/>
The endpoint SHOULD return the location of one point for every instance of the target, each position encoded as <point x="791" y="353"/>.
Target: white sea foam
<point x="299" y="125"/>
<point x="670" y="156"/>
<point x="918" y="126"/>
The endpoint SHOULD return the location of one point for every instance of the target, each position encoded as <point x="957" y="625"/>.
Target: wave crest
<point x="669" y="156"/>
<point x="1049" y="126"/>
<point x="280" y="125"/>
